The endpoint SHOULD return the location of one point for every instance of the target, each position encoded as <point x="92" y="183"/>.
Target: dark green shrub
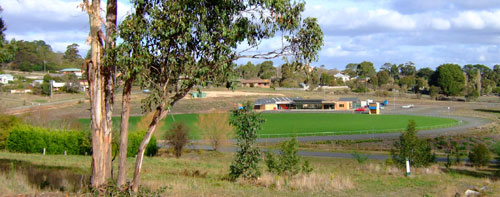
<point x="410" y="147"/>
<point x="359" y="157"/>
<point x="246" y="160"/>
<point x="178" y="137"/>
<point x="135" y="139"/>
<point x="152" y="147"/>
<point x="6" y="123"/>
<point x="287" y="162"/>
<point x="479" y="155"/>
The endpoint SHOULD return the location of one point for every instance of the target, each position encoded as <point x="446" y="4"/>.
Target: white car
<point x="407" y="106"/>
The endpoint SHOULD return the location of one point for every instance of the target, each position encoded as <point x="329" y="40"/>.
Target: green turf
<point x="305" y="124"/>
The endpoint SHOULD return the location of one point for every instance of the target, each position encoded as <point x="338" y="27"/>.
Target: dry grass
<point x="16" y="184"/>
<point x="314" y="182"/>
<point x="201" y="173"/>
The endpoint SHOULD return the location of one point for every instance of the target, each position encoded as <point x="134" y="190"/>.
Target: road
<point x="345" y="155"/>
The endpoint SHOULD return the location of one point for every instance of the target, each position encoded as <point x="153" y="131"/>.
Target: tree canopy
<point x="366" y="69"/>
<point x="450" y="79"/>
<point x="186" y="43"/>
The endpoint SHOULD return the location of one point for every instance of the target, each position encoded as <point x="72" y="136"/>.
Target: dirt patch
<point x="218" y="94"/>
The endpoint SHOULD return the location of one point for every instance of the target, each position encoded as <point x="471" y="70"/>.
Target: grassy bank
<point x="300" y="124"/>
<point x="201" y="174"/>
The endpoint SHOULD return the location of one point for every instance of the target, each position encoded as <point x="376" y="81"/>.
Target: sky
<point x="426" y="32"/>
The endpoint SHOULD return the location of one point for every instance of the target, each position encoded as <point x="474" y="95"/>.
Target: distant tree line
<point x="35" y="55"/>
<point x="471" y="80"/>
<point x="38" y="56"/>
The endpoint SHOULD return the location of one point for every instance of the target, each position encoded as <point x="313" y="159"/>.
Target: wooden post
<point x="43" y="151"/>
<point x="407" y="167"/>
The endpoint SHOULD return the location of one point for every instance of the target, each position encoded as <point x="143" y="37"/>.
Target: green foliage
<point x="196" y="41"/>
<point x="72" y="84"/>
<point x="71" y="55"/>
<point x="287" y="162"/>
<point x="434" y="91"/>
<point x="178" y="137"/>
<point x="29" y="139"/>
<point x="383" y="77"/>
<point x="327" y="79"/>
<point x="247" y="71"/>
<point x="450" y="79"/>
<point x="472" y="96"/>
<point x="360" y="89"/>
<point x="408" y="69"/>
<point x="409" y="81"/>
<point x="365" y="69"/>
<point x="290" y="77"/>
<point x="384" y="93"/>
<point x="266" y="70"/>
<point x="135" y="139"/>
<point x="421" y="85"/>
<point x="479" y="155"/>
<point x="359" y="157"/>
<point x="246" y="123"/>
<point x="410" y="147"/>
<point x="425" y="73"/>
<point x="6" y="123"/>
<point x="35" y="55"/>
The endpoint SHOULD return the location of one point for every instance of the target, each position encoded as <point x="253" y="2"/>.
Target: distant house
<point x="343" y="77"/>
<point x="5" y="78"/>
<point x="36" y="82"/>
<point x="56" y="86"/>
<point x="76" y="71"/>
<point x="260" y="83"/>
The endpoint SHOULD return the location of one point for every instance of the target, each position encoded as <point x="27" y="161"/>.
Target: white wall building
<point x="343" y="77"/>
<point x="5" y="78"/>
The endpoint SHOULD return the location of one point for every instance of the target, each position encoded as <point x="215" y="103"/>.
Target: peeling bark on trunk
<point x="159" y="114"/>
<point x="122" y="157"/>
<point x="101" y="87"/>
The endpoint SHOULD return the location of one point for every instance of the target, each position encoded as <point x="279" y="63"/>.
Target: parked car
<point x="407" y="106"/>
<point x="360" y="109"/>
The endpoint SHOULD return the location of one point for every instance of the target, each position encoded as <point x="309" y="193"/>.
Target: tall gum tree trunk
<point x="159" y="114"/>
<point x="122" y="157"/>
<point x="109" y="78"/>
<point x="101" y="87"/>
<point x="100" y="137"/>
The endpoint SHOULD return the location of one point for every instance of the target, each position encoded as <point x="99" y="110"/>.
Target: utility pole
<point x="44" y="70"/>
<point x="52" y="81"/>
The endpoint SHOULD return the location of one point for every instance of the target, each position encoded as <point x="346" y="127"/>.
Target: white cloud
<point x="469" y="20"/>
<point x="478" y="20"/>
<point x="428" y="32"/>
<point x="440" y="24"/>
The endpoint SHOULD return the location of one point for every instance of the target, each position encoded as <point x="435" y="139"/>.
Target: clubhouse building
<point x="285" y="103"/>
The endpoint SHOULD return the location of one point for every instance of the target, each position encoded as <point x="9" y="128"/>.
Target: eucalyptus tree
<point x="101" y="73"/>
<point x="189" y="43"/>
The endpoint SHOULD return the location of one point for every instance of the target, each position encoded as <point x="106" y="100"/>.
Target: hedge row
<point x="135" y="139"/>
<point x="30" y="139"/>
